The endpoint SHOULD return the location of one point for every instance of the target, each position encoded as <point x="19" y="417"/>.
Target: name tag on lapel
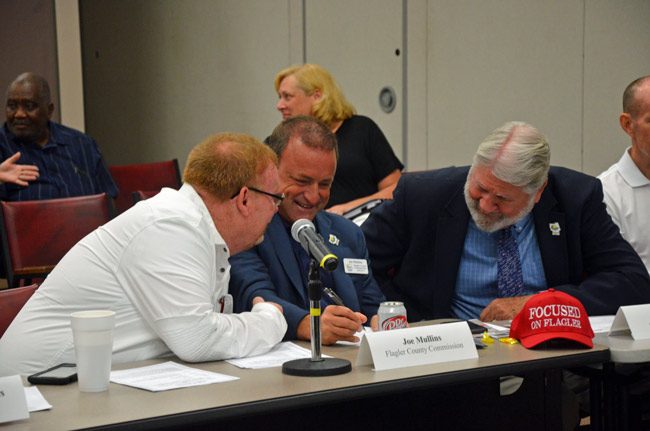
<point x="355" y="266"/>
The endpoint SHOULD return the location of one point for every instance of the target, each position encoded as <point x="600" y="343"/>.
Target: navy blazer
<point x="416" y="243"/>
<point x="271" y="271"/>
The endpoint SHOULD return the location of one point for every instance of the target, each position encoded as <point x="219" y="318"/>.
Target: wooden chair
<point x="37" y="234"/>
<point x="11" y="301"/>
<point x="143" y="176"/>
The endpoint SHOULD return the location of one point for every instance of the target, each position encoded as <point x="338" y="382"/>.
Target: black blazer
<point x="416" y="242"/>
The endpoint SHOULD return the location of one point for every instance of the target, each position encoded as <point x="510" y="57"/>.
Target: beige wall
<point x="28" y="44"/>
<point x="617" y="51"/>
<point x="68" y="38"/>
<point x="491" y="62"/>
<point x="160" y="75"/>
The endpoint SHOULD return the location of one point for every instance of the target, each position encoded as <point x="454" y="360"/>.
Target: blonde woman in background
<point x="367" y="166"/>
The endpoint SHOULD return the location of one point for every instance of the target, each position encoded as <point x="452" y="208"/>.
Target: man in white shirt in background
<point x="163" y="268"/>
<point x="626" y="184"/>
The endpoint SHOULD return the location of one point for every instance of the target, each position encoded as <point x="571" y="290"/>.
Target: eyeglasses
<point x="277" y="199"/>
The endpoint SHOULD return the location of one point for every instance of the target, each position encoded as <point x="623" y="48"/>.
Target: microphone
<point x="305" y="233"/>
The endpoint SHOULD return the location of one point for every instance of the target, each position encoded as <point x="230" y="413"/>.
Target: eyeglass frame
<point x="277" y="199"/>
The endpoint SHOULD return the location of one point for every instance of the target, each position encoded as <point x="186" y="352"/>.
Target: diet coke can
<point x="392" y="315"/>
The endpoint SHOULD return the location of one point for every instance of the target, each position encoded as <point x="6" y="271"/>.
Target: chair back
<point x="11" y="301"/>
<point x="143" y="176"/>
<point x="140" y="195"/>
<point x="37" y="234"/>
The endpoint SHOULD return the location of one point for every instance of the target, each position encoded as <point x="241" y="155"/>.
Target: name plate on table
<point x="13" y="403"/>
<point x="634" y="320"/>
<point x="420" y="345"/>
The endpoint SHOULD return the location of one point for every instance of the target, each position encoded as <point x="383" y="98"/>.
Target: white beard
<point x="492" y="224"/>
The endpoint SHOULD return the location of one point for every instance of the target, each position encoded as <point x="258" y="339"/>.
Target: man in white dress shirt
<point x="626" y="184"/>
<point x="163" y="268"/>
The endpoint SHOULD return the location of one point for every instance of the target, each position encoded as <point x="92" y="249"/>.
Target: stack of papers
<point x="165" y="376"/>
<point x="280" y="354"/>
<point x="495" y="331"/>
<point x="601" y="323"/>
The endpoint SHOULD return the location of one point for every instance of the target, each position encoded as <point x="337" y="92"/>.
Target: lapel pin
<point x="555" y="228"/>
<point x="333" y="239"/>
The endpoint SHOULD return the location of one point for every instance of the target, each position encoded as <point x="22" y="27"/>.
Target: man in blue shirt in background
<point x="69" y="162"/>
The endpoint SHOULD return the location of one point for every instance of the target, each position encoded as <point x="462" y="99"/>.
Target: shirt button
<point x="225" y="250"/>
<point x="222" y="269"/>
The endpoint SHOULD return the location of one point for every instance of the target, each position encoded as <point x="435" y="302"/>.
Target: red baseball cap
<point x="550" y="315"/>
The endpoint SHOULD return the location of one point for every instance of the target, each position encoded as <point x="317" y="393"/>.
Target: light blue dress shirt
<point x="476" y="283"/>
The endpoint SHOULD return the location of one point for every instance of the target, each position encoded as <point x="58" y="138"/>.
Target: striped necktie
<point x="510" y="282"/>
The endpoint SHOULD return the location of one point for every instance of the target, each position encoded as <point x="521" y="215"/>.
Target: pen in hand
<point x="333" y="296"/>
<point x="335" y="299"/>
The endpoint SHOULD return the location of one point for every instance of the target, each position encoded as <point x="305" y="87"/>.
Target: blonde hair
<point x="224" y="163"/>
<point x="332" y="106"/>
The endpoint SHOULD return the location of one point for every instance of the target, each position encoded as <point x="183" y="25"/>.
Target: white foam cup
<point x="92" y="331"/>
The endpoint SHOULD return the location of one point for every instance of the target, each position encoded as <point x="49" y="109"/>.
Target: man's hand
<point x="259" y="299"/>
<point x="10" y="172"/>
<point x="503" y="308"/>
<point x="337" y="323"/>
<point x="374" y="323"/>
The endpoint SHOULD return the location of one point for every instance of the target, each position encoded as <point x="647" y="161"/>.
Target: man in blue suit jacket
<point x="278" y="267"/>
<point x="434" y="246"/>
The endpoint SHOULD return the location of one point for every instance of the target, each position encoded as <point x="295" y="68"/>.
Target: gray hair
<point x="41" y="84"/>
<point x="516" y="153"/>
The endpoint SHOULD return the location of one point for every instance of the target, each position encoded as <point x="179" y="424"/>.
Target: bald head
<point x="29" y="108"/>
<point x="632" y="103"/>
<point x="40" y="85"/>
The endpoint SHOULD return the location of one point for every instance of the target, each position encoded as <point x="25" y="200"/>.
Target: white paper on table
<point x="35" y="400"/>
<point x="359" y="335"/>
<point x="13" y="405"/>
<point x="601" y="323"/>
<point x="494" y="330"/>
<point x="277" y="356"/>
<point x="165" y="376"/>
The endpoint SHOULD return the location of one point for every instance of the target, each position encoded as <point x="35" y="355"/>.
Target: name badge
<point x="13" y="403"/>
<point x="419" y="345"/>
<point x="355" y="266"/>
<point x="633" y="320"/>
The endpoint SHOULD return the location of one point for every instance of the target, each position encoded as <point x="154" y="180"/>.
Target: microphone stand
<point x="317" y="365"/>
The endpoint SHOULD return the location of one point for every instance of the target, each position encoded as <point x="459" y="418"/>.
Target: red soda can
<point x="392" y="315"/>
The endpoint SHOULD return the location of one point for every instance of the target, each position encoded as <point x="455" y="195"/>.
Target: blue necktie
<point x="509" y="279"/>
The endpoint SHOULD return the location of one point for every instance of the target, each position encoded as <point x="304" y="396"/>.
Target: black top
<point x="365" y="158"/>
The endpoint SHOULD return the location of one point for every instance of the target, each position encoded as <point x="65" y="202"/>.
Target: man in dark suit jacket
<point x="278" y="267"/>
<point x="435" y="245"/>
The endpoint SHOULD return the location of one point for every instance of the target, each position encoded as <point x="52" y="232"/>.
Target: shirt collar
<point x="630" y="172"/>
<point x="56" y="137"/>
<point x="519" y="226"/>
<point x="190" y="193"/>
